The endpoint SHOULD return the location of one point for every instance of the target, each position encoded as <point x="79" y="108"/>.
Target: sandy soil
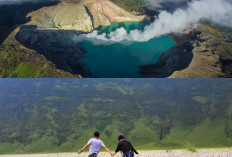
<point x="172" y="153"/>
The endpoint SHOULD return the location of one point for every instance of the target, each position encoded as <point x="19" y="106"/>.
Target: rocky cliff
<point x="212" y="54"/>
<point x="204" y="52"/>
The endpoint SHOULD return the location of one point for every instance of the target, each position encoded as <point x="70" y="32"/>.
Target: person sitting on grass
<point x="125" y="147"/>
<point x="95" y="146"/>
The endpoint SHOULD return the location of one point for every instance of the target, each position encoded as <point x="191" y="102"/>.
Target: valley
<point x="49" y="33"/>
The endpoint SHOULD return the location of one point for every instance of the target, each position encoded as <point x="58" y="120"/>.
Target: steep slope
<point x="61" y="115"/>
<point x="202" y="135"/>
<point x="212" y="54"/>
<point x="21" y="62"/>
<point x="15" y="59"/>
<point x="204" y="52"/>
<point x="65" y="15"/>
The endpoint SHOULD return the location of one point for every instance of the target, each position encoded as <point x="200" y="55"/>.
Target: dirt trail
<point x="173" y="153"/>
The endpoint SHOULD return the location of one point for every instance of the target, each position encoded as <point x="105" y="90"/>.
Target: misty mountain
<point x="46" y="115"/>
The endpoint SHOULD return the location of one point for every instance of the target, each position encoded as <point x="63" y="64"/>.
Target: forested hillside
<point x="47" y="115"/>
<point x="131" y="5"/>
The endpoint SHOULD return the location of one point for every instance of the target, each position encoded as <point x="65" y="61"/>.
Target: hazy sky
<point x="13" y="1"/>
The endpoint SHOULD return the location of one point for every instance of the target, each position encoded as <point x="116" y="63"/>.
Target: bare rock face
<point x="80" y="15"/>
<point x="104" y="12"/>
<point x="65" y="16"/>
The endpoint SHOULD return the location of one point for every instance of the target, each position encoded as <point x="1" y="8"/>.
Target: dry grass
<point x="170" y="153"/>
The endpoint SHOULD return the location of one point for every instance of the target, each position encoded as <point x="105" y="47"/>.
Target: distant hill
<point x="46" y="115"/>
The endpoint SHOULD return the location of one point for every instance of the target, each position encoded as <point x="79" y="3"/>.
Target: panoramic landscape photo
<point x="116" y="38"/>
<point x="161" y="118"/>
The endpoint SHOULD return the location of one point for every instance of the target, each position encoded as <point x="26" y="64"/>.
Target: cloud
<point x="218" y="11"/>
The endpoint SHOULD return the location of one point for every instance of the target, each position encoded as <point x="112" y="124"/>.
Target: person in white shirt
<point x="95" y="146"/>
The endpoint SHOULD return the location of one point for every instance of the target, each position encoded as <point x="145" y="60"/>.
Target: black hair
<point x="120" y="137"/>
<point x="96" y="134"/>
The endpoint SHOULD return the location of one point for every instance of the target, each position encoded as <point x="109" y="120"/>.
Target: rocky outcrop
<point x="80" y="15"/>
<point x="211" y="59"/>
<point x="65" y="16"/>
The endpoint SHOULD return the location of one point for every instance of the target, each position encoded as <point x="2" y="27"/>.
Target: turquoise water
<point x="122" y="61"/>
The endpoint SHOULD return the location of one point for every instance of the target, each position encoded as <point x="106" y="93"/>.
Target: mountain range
<point x="46" y="115"/>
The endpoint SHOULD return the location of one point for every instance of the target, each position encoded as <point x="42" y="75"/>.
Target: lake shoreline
<point x="119" y="59"/>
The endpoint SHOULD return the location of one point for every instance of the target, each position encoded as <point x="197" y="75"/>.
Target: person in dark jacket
<point x="125" y="147"/>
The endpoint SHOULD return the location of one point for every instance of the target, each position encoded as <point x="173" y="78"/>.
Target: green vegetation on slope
<point x="130" y="5"/>
<point x="209" y="133"/>
<point x="61" y="115"/>
<point x="17" y="61"/>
